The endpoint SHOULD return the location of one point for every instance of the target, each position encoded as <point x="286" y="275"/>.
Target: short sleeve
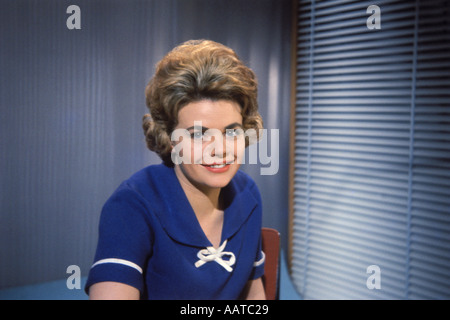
<point x="260" y="257"/>
<point x="258" y="265"/>
<point x="124" y="242"/>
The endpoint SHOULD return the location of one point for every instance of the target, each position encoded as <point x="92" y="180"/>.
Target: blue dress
<point x="150" y="238"/>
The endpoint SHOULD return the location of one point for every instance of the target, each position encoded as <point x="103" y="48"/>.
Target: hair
<point x="194" y="71"/>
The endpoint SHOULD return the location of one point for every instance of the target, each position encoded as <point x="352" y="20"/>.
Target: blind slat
<point x="372" y="150"/>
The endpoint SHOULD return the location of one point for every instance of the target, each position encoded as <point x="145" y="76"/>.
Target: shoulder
<point x="134" y="199"/>
<point x="147" y="180"/>
<point x="150" y="174"/>
<point x="141" y="188"/>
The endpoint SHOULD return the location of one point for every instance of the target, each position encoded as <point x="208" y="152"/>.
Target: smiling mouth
<point x="217" y="167"/>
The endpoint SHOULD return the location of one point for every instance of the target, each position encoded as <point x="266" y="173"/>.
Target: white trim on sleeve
<point x="119" y="261"/>
<point x="261" y="261"/>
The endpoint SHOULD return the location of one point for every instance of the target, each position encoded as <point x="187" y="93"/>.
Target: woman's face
<point x="213" y="142"/>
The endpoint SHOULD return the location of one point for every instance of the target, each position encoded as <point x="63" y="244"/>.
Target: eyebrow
<point x="230" y="126"/>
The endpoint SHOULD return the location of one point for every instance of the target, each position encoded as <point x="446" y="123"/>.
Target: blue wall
<point x="71" y="107"/>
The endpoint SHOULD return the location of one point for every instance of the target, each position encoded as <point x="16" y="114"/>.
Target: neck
<point x="203" y="200"/>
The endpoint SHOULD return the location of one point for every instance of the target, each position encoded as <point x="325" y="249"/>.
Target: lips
<point x="217" y="167"/>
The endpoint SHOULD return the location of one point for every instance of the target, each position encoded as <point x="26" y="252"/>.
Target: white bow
<point x="212" y="254"/>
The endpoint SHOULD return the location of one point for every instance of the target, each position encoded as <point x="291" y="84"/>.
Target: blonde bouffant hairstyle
<point x="194" y="71"/>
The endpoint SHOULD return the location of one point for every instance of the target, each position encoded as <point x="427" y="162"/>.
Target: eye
<point x="233" y="133"/>
<point x="197" y="135"/>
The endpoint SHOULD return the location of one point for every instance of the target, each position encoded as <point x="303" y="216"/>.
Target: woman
<point x="188" y="228"/>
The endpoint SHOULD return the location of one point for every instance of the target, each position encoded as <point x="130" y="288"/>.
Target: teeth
<point x="218" y="166"/>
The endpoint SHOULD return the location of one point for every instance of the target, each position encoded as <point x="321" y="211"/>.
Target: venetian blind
<point x="371" y="183"/>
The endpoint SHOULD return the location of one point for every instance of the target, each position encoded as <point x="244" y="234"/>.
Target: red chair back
<point x="271" y="248"/>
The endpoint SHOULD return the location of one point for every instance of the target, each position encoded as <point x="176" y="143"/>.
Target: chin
<point x="210" y="176"/>
<point x="216" y="178"/>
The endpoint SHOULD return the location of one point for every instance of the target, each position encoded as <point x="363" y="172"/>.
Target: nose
<point x="219" y="147"/>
